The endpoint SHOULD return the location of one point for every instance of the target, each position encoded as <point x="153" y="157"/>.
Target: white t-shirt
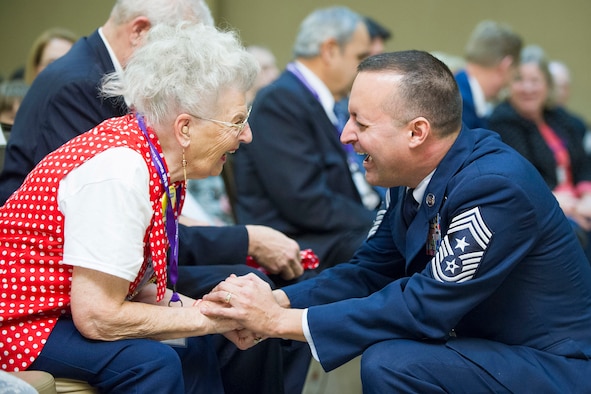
<point x="106" y="205"/>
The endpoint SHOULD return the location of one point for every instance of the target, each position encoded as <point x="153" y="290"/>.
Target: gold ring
<point x="228" y="298"/>
<point x="257" y="340"/>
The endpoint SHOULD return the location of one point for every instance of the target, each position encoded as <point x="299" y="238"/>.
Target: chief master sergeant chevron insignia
<point x="462" y="248"/>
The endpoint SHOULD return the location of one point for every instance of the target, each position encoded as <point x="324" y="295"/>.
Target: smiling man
<point x="483" y="288"/>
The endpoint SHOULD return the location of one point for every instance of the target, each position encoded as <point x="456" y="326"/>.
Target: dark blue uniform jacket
<point x="508" y="271"/>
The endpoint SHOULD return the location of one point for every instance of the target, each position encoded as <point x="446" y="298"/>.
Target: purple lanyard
<point x="172" y="218"/>
<point x="298" y="74"/>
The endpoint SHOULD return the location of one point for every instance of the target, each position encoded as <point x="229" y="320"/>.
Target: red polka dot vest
<point x="34" y="282"/>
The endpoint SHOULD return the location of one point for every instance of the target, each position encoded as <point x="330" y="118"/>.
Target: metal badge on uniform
<point x="434" y="237"/>
<point x="430" y="200"/>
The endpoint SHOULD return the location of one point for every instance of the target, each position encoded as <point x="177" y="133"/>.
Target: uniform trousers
<point x="407" y="366"/>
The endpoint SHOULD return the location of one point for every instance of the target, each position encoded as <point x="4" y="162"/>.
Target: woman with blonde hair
<point x="49" y="46"/>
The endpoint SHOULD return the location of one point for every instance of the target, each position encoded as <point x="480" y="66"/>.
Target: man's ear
<point x="419" y="131"/>
<point x="506" y="63"/>
<point x="328" y="50"/>
<point x="139" y="27"/>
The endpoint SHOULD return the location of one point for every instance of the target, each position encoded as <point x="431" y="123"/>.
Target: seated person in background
<point x="378" y="36"/>
<point x="561" y="77"/>
<point x="492" y="55"/>
<point x="90" y="257"/>
<point x="64" y="102"/>
<point x="547" y="136"/>
<point x="12" y="93"/>
<point x="268" y="72"/>
<point x="295" y="176"/>
<point x="562" y="82"/>
<point x="483" y="288"/>
<point x="48" y="47"/>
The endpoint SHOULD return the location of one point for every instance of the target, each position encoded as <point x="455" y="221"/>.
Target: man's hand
<point x="252" y="304"/>
<point x="274" y="251"/>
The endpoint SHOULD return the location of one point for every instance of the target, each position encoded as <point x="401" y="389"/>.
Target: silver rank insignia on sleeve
<point x="462" y="248"/>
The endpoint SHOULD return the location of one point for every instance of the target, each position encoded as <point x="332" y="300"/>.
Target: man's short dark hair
<point x="427" y="88"/>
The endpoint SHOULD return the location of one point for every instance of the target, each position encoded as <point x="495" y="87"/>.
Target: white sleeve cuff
<point x="306" y="330"/>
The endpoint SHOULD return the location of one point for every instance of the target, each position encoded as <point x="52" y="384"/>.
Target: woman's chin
<point x="217" y="170"/>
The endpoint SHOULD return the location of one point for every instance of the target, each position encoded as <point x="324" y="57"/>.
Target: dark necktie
<point x="409" y="207"/>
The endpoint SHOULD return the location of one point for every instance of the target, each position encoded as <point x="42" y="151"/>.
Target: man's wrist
<point x="289" y="325"/>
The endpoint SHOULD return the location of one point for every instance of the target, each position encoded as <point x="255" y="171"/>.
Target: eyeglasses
<point x="238" y="126"/>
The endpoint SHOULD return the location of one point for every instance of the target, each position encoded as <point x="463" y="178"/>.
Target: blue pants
<point x="470" y="366"/>
<point x="131" y="365"/>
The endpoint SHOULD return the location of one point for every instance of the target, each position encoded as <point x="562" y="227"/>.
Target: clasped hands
<point x="249" y="302"/>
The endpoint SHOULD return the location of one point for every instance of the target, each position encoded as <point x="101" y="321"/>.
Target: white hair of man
<point x="162" y="11"/>
<point x="337" y="23"/>
<point x="562" y="81"/>
<point x="182" y="68"/>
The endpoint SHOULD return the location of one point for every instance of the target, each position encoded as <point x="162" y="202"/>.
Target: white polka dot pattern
<point x="34" y="283"/>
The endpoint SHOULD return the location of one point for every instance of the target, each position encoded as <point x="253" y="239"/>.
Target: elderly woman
<point x="548" y="136"/>
<point x="84" y="241"/>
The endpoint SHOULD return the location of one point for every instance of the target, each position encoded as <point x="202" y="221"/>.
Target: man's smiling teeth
<point x="367" y="156"/>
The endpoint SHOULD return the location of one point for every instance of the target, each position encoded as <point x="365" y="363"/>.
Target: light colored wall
<point x="561" y="27"/>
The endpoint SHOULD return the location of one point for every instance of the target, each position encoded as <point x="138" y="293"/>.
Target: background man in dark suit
<point x="295" y="175"/>
<point x="492" y="55"/>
